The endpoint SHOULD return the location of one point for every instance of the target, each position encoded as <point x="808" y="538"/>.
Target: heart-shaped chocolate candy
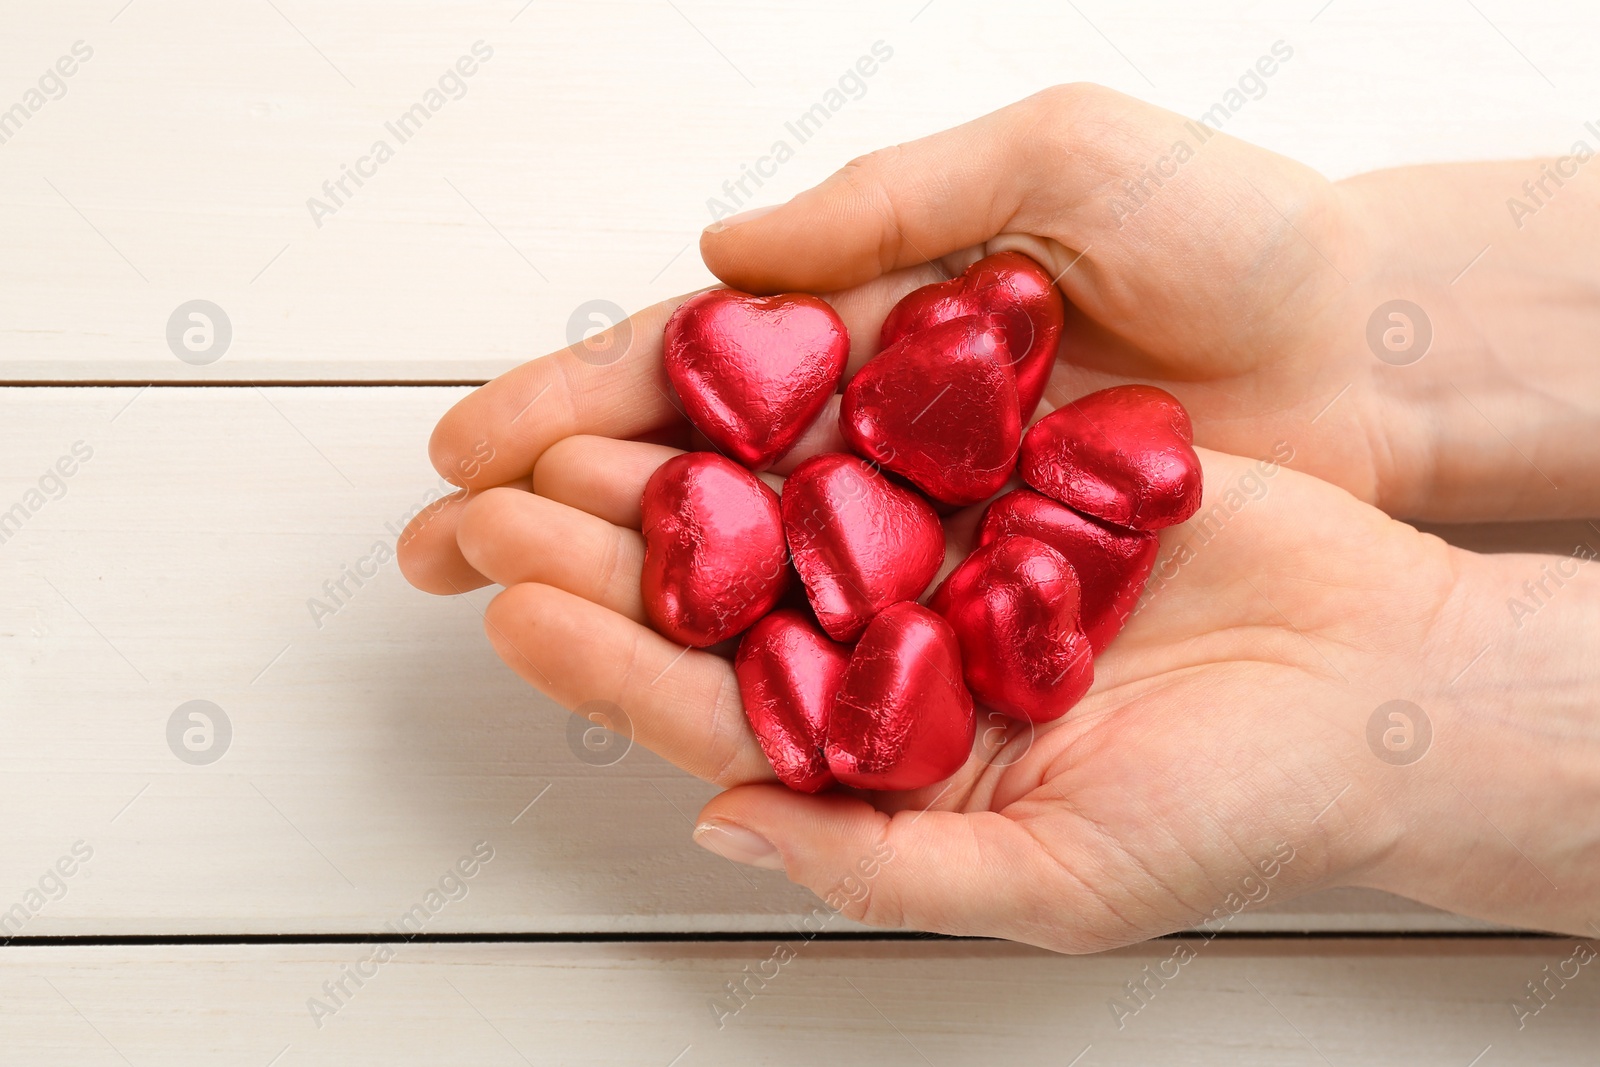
<point x="753" y="372"/>
<point x="1112" y="563"/>
<point x="903" y="718"/>
<point x="859" y="542"/>
<point x="1008" y="284"/>
<point x="789" y="674"/>
<point x="714" y="555"/>
<point x="939" y="407"/>
<point x="1013" y="605"/>
<point x="1124" y="455"/>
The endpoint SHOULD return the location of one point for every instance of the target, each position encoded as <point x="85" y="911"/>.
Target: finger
<point x="612" y="384"/>
<point x="683" y="704"/>
<point x="603" y="476"/>
<point x="919" y="201"/>
<point x="511" y="537"/>
<point x="978" y="874"/>
<point x="862" y="308"/>
<point x="429" y="557"/>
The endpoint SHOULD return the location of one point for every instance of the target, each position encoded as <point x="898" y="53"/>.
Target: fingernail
<point x="738" y="844"/>
<point x="743" y="216"/>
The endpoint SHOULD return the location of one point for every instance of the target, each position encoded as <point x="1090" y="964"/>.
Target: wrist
<point x="1483" y="397"/>
<point x="1400" y="332"/>
<point x="1500" y="817"/>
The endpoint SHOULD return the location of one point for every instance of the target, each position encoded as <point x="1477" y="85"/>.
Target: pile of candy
<point x="869" y="687"/>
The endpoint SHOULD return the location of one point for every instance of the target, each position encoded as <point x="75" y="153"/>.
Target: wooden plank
<point x="579" y="161"/>
<point x="1224" y="1003"/>
<point x="370" y="749"/>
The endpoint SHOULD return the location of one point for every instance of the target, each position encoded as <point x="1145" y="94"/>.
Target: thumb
<point x="978" y="874"/>
<point x="1010" y="171"/>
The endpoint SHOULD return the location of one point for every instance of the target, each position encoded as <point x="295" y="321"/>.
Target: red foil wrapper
<point x="1013" y="605"/>
<point x="754" y="371"/>
<point x="1008" y="284"/>
<point x="714" y="556"/>
<point x="1124" y="455"/>
<point x="939" y="407"/>
<point x="903" y="719"/>
<point x="1112" y="563"/>
<point x="789" y="674"/>
<point x="859" y="542"/>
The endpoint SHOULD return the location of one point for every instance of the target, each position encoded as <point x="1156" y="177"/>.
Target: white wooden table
<point x="372" y="743"/>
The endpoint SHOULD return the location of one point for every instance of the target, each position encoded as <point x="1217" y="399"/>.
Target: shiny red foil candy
<point x="1052" y="578"/>
<point x="1124" y="455"/>
<point x="903" y="719"/>
<point x="789" y="674"/>
<point x="939" y="407"/>
<point x="1112" y="563"/>
<point x="714" y="555"/>
<point x="753" y="372"/>
<point x="859" y="542"/>
<point x="1013" y="605"/>
<point x="1008" y="284"/>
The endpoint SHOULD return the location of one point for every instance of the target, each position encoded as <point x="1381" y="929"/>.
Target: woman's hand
<point x="1260" y="293"/>
<point x="1222" y="757"/>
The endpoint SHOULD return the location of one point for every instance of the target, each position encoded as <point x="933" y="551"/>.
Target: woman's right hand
<point x="1261" y="294"/>
<point x="1245" y="283"/>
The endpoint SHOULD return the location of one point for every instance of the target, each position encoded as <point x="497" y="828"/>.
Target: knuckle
<point x="638" y="673"/>
<point x="1056" y="123"/>
<point x="869" y="904"/>
<point x="1070" y="98"/>
<point x="608" y="567"/>
<point x="724" y="748"/>
<point x="871" y="165"/>
<point x="871" y="179"/>
<point x="865" y="892"/>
